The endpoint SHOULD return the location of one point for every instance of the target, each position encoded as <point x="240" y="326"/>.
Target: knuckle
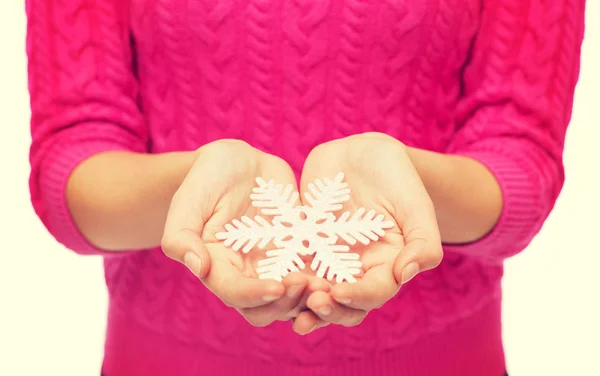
<point x="376" y="136"/>
<point x="317" y="151"/>
<point x="168" y="244"/>
<point x="257" y="320"/>
<point x="435" y="256"/>
<point x="356" y="321"/>
<point x="330" y="147"/>
<point x="227" y="302"/>
<point x="226" y="147"/>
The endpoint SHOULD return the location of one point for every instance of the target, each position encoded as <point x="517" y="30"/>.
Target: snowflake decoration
<point x="305" y="230"/>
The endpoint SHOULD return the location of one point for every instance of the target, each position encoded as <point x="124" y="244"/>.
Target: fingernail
<point x="324" y="311"/>
<point x="293" y="290"/>
<point x="312" y="330"/>
<point x="409" y="272"/>
<point x="343" y="301"/>
<point x="193" y="262"/>
<point x="269" y="298"/>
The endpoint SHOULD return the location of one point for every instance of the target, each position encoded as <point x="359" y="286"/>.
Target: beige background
<point x="53" y="303"/>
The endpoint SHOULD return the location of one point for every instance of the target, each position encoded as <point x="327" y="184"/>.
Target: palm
<point x="228" y="264"/>
<point x="382" y="178"/>
<point x="366" y="193"/>
<point x="216" y="191"/>
<point x="382" y="253"/>
<point x="234" y="205"/>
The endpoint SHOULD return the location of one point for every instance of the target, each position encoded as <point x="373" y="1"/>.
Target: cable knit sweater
<point x="489" y="79"/>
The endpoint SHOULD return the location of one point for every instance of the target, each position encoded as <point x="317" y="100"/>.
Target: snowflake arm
<point x="273" y="199"/>
<point x="336" y="262"/>
<point x="249" y="233"/>
<point x="358" y="227"/>
<point x="297" y="231"/>
<point x="279" y="263"/>
<point x="327" y="196"/>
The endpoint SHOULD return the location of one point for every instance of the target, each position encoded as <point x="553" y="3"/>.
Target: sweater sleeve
<point x="83" y="96"/>
<point x="518" y="89"/>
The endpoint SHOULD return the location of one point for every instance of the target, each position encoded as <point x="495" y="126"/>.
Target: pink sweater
<point x="491" y="79"/>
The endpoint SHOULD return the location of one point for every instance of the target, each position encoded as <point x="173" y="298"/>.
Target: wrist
<point x="466" y="196"/>
<point x="119" y="200"/>
<point x="431" y="167"/>
<point x="174" y="167"/>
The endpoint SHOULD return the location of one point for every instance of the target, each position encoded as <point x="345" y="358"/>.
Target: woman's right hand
<point x="215" y="191"/>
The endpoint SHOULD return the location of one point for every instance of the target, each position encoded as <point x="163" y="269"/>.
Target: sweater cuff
<point x="53" y="177"/>
<point x="522" y="211"/>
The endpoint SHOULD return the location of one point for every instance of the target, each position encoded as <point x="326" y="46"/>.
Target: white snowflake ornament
<point x="305" y="230"/>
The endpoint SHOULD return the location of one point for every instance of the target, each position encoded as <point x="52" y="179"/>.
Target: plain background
<point x="53" y="302"/>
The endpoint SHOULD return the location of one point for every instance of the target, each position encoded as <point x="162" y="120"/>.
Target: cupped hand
<point x="215" y="191"/>
<point x="381" y="177"/>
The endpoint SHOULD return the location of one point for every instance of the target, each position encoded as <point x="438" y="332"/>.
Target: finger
<point x="318" y="284"/>
<point x="314" y="284"/>
<point x="296" y="284"/>
<point x="423" y="245"/>
<point x="420" y="253"/>
<point x="330" y="311"/>
<point x="320" y="164"/>
<point x="239" y="291"/>
<point x="307" y="322"/>
<point x="376" y="287"/>
<point x="283" y="308"/>
<point x="181" y="239"/>
<point x="187" y="247"/>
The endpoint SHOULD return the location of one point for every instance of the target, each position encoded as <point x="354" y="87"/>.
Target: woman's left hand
<point x="381" y="177"/>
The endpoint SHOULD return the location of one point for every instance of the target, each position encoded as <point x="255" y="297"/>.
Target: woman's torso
<point x="287" y="75"/>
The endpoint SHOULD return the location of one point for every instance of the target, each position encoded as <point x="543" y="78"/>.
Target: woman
<point x="151" y="120"/>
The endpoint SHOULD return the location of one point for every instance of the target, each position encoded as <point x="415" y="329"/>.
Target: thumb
<point x="187" y="247"/>
<point x="422" y="245"/>
<point x="417" y="256"/>
<point x="184" y="223"/>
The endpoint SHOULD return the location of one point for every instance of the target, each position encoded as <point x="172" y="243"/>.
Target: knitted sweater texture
<point x="489" y="79"/>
